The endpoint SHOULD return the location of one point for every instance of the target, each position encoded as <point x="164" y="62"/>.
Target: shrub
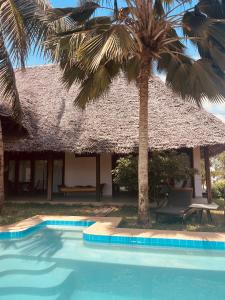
<point x="218" y="189"/>
<point x="125" y="173"/>
<point x="164" y="169"/>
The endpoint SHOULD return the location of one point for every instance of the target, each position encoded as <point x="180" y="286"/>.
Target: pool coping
<point x="106" y="230"/>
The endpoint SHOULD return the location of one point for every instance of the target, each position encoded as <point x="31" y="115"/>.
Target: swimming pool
<point x="55" y="263"/>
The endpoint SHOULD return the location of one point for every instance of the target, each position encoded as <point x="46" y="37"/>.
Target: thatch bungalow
<point x="77" y="149"/>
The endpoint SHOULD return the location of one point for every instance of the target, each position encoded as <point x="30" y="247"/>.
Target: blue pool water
<point x="55" y="263"/>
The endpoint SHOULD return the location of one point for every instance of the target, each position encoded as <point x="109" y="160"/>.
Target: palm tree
<point x="138" y="37"/>
<point x="20" y="29"/>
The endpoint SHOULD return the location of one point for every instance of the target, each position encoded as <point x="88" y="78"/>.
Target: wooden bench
<point x="80" y="189"/>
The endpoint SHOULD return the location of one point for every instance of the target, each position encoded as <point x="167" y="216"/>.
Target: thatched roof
<point x="111" y="123"/>
<point x="10" y="127"/>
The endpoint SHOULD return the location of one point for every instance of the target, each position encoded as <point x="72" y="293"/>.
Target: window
<point x="25" y="171"/>
<point x="40" y="175"/>
<point x="11" y="171"/>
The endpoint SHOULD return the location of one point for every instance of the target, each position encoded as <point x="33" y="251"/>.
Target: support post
<point x="6" y="175"/>
<point x="114" y="188"/>
<point x="208" y="174"/>
<point x="17" y="173"/>
<point x="98" y="180"/>
<point x="50" y="178"/>
<point x="197" y="177"/>
<point x="32" y="175"/>
<point x="63" y="174"/>
<point x="191" y="156"/>
<point x="2" y="192"/>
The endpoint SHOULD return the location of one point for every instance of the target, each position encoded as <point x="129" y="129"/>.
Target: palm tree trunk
<point x="143" y="200"/>
<point x="1" y="169"/>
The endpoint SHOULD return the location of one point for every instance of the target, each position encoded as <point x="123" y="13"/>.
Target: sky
<point x="35" y="60"/>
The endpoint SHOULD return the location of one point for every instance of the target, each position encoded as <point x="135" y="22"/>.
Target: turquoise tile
<point x="123" y="240"/>
<point x="132" y="241"/>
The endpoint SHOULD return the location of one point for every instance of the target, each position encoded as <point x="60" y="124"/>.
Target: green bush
<point x="125" y="173"/>
<point x="218" y="189"/>
<point x="164" y="169"/>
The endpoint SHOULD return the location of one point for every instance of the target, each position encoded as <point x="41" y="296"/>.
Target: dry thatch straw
<point x="10" y="127"/>
<point x="111" y="123"/>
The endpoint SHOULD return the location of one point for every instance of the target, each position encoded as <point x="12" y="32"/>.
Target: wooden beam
<point x="98" y="178"/>
<point x="34" y="155"/>
<point x="208" y="174"/>
<point x="50" y="178"/>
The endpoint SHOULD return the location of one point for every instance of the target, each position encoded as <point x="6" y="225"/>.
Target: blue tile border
<point x="26" y="232"/>
<point x="116" y="239"/>
<point x="157" y="242"/>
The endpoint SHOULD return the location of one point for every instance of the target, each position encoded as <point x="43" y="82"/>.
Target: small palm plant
<point x="93" y="50"/>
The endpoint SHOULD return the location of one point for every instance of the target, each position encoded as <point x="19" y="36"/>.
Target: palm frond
<point x="76" y="14"/>
<point x="193" y="23"/>
<point x="210" y="34"/>
<point x="158" y="8"/>
<point x="43" y="4"/>
<point x="21" y="26"/>
<point x="206" y="81"/>
<point x="131" y="68"/>
<point x="144" y="29"/>
<point x="116" y="44"/>
<point x="165" y="60"/>
<point x="64" y="45"/>
<point x="12" y="24"/>
<point x="72" y="73"/>
<point x="195" y="80"/>
<point x="44" y="30"/>
<point x="212" y="8"/>
<point x="218" y="56"/>
<point x="97" y="84"/>
<point x="8" y="82"/>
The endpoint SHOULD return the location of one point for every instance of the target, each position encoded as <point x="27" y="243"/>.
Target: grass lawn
<point x="13" y="213"/>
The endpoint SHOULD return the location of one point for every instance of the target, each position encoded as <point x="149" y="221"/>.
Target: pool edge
<point x="105" y="230"/>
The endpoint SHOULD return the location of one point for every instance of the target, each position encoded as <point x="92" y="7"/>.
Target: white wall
<point x="197" y="177"/>
<point x="82" y="171"/>
<point x="79" y="170"/>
